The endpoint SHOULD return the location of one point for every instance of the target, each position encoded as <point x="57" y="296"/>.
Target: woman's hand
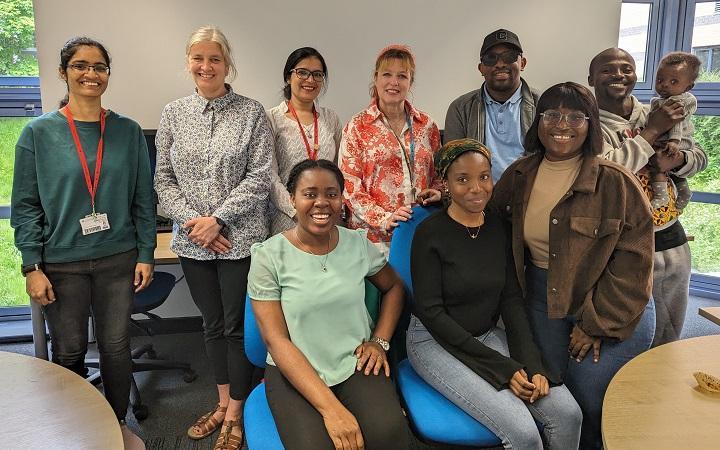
<point x="143" y="276"/>
<point x="402" y="214"/>
<point x="427" y="196"/>
<point x="221" y="244"/>
<point x="520" y="386"/>
<point x="581" y="343"/>
<point x="371" y="356"/>
<point x="203" y="230"/>
<point x="38" y="287"/>
<point x="542" y="387"/>
<point x="343" y="429"/>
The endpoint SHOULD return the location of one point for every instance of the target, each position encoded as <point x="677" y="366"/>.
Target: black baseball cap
<point x="501" y="36"/>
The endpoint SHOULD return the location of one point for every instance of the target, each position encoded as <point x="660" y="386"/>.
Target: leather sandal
<point x="227" y="440"/>
<point x="207" y="424"/>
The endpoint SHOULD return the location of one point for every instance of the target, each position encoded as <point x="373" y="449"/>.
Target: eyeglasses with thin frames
<point x="101" y="69"/>
<point x="508" y="57"/>
<point x="574" y="119"/>
<point x="304" y="74"/>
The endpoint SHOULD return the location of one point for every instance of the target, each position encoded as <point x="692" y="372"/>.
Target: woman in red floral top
<point x="386" y="152"/>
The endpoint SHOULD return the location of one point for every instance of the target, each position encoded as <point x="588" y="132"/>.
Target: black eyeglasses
<point x="508" y="57"/>
<point x="304" y="74"/>
<point x="85" y="67"/>
<point x="574" y="119"/>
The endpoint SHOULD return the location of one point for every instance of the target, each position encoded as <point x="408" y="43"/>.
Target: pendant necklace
<point x="477" y="233"/>
<point x="323" y="262"/>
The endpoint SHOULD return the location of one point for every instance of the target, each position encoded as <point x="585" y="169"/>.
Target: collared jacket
<point x="601" y="244"/>
<point x="465" y="117"/>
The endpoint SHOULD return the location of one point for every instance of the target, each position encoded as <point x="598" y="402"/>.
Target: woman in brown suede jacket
<point x="582" y="241"/>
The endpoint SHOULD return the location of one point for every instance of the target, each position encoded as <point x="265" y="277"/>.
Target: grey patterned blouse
<point x="213" y="158"/>
<point x="290" y="149"/>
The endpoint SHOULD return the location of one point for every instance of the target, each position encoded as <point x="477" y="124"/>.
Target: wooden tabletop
<point x="711" y="313"/>
<point x="163" y="254"/>
<point x="47" y="406"/>
<point x="654" y="402"/>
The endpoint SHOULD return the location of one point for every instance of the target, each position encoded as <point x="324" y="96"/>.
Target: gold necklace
<point x="477" y="233"/>
<point x="323" y="263"/>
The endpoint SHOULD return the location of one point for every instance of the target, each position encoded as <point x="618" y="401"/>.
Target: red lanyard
<point x="312" y="153"/>
<point x="92" y="185"/>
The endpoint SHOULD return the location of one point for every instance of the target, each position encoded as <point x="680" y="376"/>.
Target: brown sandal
<point x="207" y="424"/>
<point x="227" y="440"/>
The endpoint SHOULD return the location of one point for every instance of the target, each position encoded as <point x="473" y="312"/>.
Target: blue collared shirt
<point x="503" y="135"/>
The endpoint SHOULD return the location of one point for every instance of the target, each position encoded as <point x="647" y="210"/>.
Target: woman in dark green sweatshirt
<point x="84" y="219"/>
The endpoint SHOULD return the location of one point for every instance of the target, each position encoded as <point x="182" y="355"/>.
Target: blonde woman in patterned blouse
<point x="302" y="129"/>
<point x="212" y="178"/>
<point x="386" y="152"/>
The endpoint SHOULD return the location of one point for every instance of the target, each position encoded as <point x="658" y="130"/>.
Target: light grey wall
<point x="146" y="39"/>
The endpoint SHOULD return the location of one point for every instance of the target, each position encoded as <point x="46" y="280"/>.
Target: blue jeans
<point x="103" y="287"/>
<point x="587" y="380"/>
<point x="507" y="416"/>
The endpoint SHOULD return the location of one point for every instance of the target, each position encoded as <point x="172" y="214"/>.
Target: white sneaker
<point x="131" y="440"/>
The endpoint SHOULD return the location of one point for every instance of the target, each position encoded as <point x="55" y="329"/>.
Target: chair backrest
<point x="399" y="256"/>
<point x="155" y="294"/>
<point x="255" y="349"/>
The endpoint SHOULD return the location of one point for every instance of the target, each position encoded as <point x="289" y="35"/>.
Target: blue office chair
<point x="145" y="301"/>
<point x="433" y="417"/>
<point x="260" y="430"/>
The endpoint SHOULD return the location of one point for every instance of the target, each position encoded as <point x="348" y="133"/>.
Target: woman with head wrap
<point x="464" y="280"/>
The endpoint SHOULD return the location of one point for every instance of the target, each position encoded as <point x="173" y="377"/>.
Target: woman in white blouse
<point x="301" y="129"/>
<point x="214" y="152"/>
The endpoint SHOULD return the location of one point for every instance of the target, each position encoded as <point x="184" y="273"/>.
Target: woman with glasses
<point x="84" y="218"/>
<point x="386" y="152"/>
<point x="212" y="178"/>
<point x="301" y="128"/>
<point x="585" y="226"/>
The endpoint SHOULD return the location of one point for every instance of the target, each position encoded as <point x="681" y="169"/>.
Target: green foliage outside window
<point x="17" y="38"/>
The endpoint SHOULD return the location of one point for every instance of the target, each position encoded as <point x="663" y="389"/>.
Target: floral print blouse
<point x="377" y="179"/>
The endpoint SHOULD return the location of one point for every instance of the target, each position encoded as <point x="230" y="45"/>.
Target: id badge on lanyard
<point x="94" y="222"/>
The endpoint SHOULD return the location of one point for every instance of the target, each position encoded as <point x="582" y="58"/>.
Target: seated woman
<point x="586" y="226"/>
<point x="327" y="377"/>
<point x="464" y="279"/>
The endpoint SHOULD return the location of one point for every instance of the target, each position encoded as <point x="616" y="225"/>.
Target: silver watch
<point x="381" y="342"/>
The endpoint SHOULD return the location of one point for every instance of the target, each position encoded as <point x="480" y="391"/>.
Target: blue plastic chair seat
<point x="437" y="419"/>
<point x="260" y="430"/>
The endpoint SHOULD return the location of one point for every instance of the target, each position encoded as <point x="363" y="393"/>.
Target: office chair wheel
<point x="189" y="376"/>
<point x="140" y="412"/>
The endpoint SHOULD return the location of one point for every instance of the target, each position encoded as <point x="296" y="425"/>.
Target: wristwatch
<point x="220" y="222"/>
<point x="381" y="342"/>
<point x="30" y="268"/>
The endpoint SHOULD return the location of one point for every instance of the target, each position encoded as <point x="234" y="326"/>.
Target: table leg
<point x="38" y="330"/>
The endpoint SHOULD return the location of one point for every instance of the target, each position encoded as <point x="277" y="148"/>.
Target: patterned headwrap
<point x="453" y="149"/>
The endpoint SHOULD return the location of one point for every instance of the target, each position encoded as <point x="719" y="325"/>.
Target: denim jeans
<point x="507" y="416"/>
<point x="587" y="380"/>
<point x="102" y="287"/>
<point x="218" y="288"/>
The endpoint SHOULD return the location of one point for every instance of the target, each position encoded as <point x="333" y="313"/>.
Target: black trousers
<point x="218" y="288"/>
<point x="371" y="399"/>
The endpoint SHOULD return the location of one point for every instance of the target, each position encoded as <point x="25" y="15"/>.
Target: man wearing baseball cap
<point x="501" y="111"/>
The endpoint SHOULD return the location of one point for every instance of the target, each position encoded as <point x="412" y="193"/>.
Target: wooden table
<point x="47" y="406"/>
<point x="163" y="255"/>
<point x="654" y="402"/>
<point x="712" y="313"/>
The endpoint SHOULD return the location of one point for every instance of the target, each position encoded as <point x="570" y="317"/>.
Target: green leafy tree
<point x="17" y="34"/>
